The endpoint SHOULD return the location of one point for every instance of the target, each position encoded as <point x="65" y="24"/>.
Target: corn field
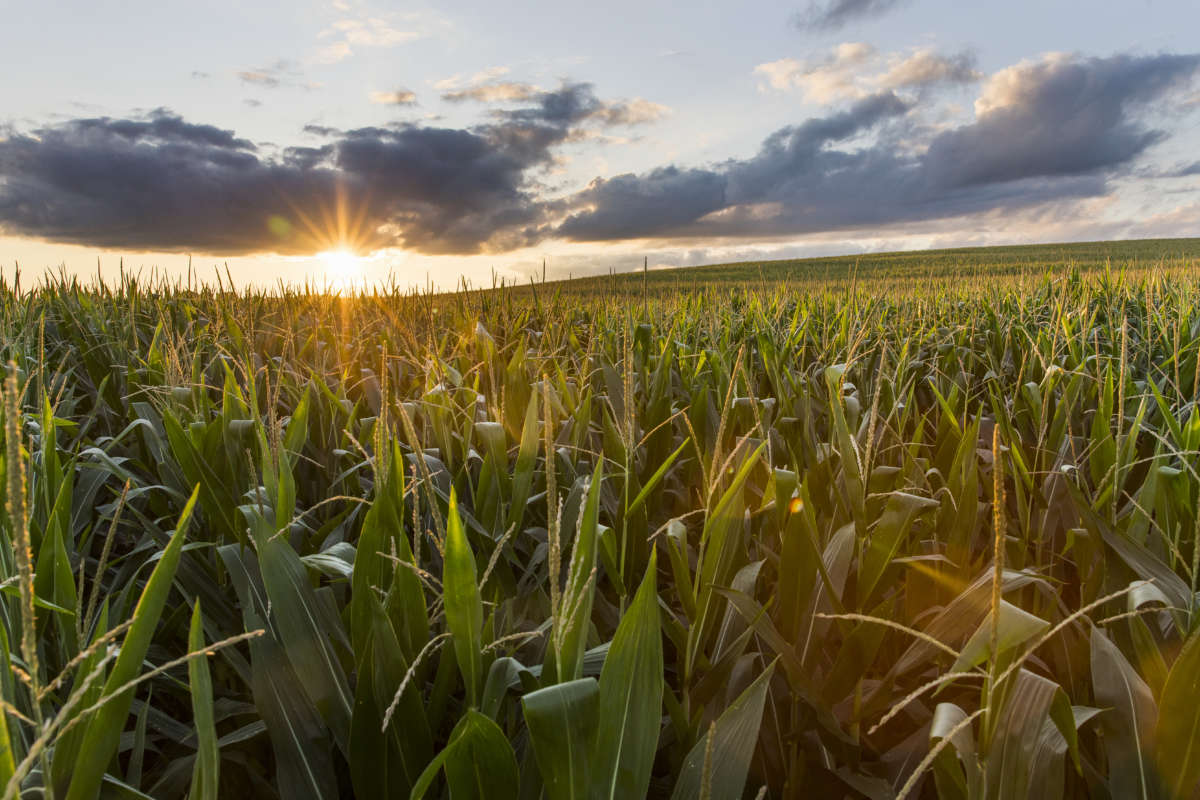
<point x="837" y="539"/>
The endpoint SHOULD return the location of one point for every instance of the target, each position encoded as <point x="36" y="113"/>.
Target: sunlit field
<point x="898" y="526"/>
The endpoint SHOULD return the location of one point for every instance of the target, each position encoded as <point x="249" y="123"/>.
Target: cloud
<point x="637" y="111"/>
<point x="574" y="104"/>
<point x="1186" y="170"/>
<point x="361" y="31"/>
<point x="483" y="76"/>
<point x="397" y="97"/>
<point x="831" y="78"/>
<point x="1045" y="134"/>
<point x="836" y="14"/>
<point x="853" y="70"/>
<point x="333" y="53"/>
<point x="672" y="201"/>
<point x="282" y="73"/>
<point x="259" y="78"/>
<point x="574" y="100"/>
<point x="162" y="183"/>
<point x="373" y="32"/>
<point x="1044" y="131"/>
<point x="1063" y="115"/>
<point x="499" y="92"/>
<point x="927" y="68"/>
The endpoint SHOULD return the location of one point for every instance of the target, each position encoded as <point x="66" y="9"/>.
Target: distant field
<point x="902" y="268"/>
<point x="895" y="526"/>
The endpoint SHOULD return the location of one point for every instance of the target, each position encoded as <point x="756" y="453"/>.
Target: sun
<point x="342" y="267"/>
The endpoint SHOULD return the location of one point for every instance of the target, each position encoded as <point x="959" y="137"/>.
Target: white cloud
<point x="832" y="78"/>
<point x="637" y="111"/>
<point x="282" y="73"/>
<point x="1009" y="85"/>
<point x="373" y="32"/>
<point x="398" y="97"/>
<point x="333" y="53"/>
<point x="503" y="92"/>
<point x="853" y="70"/>
<point x="363" y="30"/>
<point x="461" y="81"/>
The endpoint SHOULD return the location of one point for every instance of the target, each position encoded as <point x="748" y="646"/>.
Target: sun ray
<point x="341" y="223"/>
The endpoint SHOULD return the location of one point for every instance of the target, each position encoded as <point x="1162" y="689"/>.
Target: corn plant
<point x="921" y="526"/>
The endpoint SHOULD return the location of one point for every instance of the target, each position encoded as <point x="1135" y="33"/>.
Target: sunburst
<point x="337" y="231"/>
<point x="342" y="268"/>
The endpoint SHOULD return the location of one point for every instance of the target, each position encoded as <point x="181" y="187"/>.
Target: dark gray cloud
<point x="571" y="103"/>
<point x="155" y="184"/>
<point x="833" y="15"/>
<point x="1059" y="128"/>
<point x="651" y="204"/>
<point x="1055" y="129"/>
<point x="1058" y="117"/>
<point x="161" y="183"/>
<point x="672" y="200"/>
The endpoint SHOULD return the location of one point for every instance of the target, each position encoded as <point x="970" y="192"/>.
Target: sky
<point x="347" y="142"/>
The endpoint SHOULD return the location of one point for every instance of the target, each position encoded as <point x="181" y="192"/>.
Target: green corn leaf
<point x="104" y="728"/>
<point x="299" y="737"/>
<point x="734" y="740"/>
<point x="570" y="635"/>
<point x="522" y="480"/>
<point x="631" y="690"/>
<point x="1128" y="726"/>
<point x="847" y="448"/>
<point x="1017" y="742"/>
<point x="7" y="761"/>
<point x="719" y="542"/>
<point x="886" y="539"/>
<point x="66" y="746"/>
<point x="387" y="763"/>
<point x="1016" y="627"/>
<point x="382" y="533"/>
<point x="562" y="729"/>
<point x="464" y="606"/>
<point x="303" y="630"/>
<point x="1177" y="732"/>
<point x="956" y="771"/>
<point x="504" y="674"/>
<point x="206" y="772"/>
<point x="655" y="478"/>
<point x="478" y="761"/>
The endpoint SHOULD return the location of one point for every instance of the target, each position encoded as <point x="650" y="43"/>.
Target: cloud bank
<point x="1061" y="127"/>
<point x="162" y="183"/>
<point x="1057" y="128"/>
